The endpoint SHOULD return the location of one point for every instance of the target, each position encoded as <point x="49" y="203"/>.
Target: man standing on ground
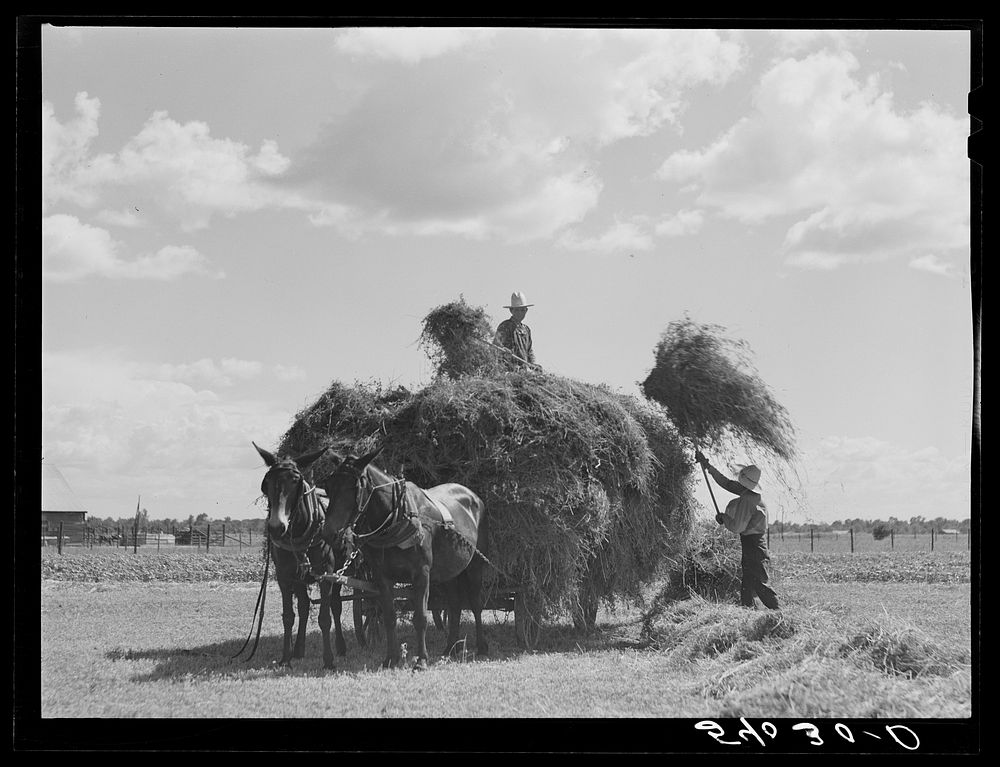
<point x="512" y="333"/>
<point x="746" y="516"/>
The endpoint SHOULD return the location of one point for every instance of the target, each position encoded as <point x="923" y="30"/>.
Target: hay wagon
<point x="367" y="610"/>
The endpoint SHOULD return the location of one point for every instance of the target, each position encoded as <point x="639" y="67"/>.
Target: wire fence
<point x="837" y="541"/>
<point x="219" y="535"/>
<point x="207" y="537"/>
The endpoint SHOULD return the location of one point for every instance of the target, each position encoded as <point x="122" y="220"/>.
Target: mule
<point x="295" y="517"/>
<point x="411" y="535"/>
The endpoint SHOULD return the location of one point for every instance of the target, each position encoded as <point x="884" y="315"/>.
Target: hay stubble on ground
<point x="141" y="648"/>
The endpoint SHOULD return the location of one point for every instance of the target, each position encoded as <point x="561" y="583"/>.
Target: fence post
<point x="241" y="540"/>
<point x="208" y="536"/>
<point x="932" y="539"/>
<point x="852" y="540"/>
<point x="59" y="540"/>
<point x="892" y="539"/>
<point x="810" y="540"/>
<point x="223" y="533"/>
<point x="135" y="539"/>
<point x="769" y="537"/>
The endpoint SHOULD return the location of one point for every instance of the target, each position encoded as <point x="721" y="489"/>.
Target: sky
<point x="235" y="218"/>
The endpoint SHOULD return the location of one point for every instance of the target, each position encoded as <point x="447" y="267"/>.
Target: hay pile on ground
<point x="807" y="661"/>
<point x="586" y="489"/>
<point x="709" y="387"/>
<point x="708" y="566"/>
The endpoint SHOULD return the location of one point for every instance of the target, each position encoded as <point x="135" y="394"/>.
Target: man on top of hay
<point x="513" y="334"/>
<point x="746" y="516"/>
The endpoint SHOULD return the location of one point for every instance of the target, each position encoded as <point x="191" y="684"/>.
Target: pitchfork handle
<point x="705" y="472"/>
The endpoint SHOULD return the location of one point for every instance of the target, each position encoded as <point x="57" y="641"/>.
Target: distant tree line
<point x="877" y="527"/>
<point x="143" y="522"/>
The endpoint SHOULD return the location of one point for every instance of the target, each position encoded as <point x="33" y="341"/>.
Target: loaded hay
<point x="587" y="490"/>
<point x="457" y="339"/>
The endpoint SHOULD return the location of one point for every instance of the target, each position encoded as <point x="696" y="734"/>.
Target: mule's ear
<point x="364" y="460"/>
<point x="269" y="458"/>
<point x="305" y="461"/>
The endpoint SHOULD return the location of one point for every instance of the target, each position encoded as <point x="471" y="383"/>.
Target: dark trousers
<point x="755" y="559"/>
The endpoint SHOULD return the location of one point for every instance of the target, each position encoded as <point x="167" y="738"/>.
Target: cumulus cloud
<point x="106" y="416"/>
<point x="866" y="180"/>
<point x="503" y="145"/>
<point x="185" y="172"/>
<point x="483" y="133"/>
<point x="409" y="44"/>
<point x="65" y="149"/>
<point x="73" y="250"/>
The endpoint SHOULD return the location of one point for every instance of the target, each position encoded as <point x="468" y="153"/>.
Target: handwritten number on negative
<point x="812" y="732"/>
<point x="900" y="733"/>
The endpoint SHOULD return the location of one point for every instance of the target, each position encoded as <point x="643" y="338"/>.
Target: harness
<point x="401" y="527"/>
<point x="309" y="539"/>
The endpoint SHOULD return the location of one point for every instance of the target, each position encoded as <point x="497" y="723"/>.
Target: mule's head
<point x="283" y="484"/>
<point x="342" y="490"/>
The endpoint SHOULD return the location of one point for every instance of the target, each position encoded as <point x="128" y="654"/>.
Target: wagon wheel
<point x="527" y="623"/>
<point x="368" y="626"/>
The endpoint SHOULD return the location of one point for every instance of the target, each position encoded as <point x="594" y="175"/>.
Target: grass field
<point x="154" y="639"/>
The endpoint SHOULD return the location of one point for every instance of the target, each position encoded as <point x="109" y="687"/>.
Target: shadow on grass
<point x="216" y="660"/>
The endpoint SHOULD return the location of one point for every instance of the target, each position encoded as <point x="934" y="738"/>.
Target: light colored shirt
<point x="746" y="514"/>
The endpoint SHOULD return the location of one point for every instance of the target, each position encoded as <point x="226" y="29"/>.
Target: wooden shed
<point x="60" y="505"/>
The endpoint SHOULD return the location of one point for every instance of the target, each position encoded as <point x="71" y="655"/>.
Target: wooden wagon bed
<point x="367" y="611"/>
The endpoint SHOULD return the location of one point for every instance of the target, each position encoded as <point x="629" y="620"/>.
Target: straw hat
<point x="749" y="477"/>
<point x="517" y="300"/>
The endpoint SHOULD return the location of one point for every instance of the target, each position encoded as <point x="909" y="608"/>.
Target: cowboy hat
<point x="749" y="477"/>
<point x="517" y="300"/>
